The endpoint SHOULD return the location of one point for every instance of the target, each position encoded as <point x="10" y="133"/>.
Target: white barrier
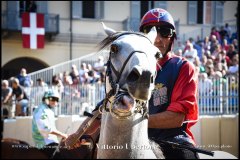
<point x="211" y="132"/>
<point x="21" y="127"/>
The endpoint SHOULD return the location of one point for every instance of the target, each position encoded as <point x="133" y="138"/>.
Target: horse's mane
<point x="104" y="43"/>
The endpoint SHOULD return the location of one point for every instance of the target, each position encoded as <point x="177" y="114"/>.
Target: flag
<point x="33" y="30"/>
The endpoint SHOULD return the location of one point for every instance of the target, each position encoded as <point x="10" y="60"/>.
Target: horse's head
<point x="131" y="67"/>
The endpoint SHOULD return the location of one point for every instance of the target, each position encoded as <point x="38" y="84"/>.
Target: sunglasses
<point x="53" y="99"/>
<point x="163" y="31"/>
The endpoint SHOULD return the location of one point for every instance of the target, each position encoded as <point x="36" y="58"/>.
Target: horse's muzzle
<point x="123" y="107"/>
<point x="140" y="83"/>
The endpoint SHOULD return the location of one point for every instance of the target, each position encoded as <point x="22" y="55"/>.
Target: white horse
<point x="131" y="70"/>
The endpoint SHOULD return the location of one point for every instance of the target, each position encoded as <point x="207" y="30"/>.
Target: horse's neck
<point x="124" y="138"/>
<point x="132" y="129"/>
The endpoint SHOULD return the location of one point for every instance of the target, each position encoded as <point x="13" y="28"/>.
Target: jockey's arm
<point x="166" y="119"/>
<point x="91" y="130"/>
<point x="59" y="134"/>
<point x="94" y="126"/>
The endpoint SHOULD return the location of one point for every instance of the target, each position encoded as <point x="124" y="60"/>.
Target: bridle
<point x="117" y="92"/>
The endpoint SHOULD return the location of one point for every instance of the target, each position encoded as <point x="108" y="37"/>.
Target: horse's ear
<point x="152" y="34"/>
<point x="108" y="31"/>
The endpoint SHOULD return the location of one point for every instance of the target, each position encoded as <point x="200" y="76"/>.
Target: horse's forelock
<point x="104" y="43"/>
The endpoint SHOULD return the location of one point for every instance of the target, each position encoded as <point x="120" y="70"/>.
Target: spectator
<point x="41" y="87"/>
<point x="179" y="52"/>
<point x="99" y="65"/>
<point x="231" y="52"/>
<point x="57" y="84"/>
<point x="205" y="85"/>
<point x="234" y="36"/>
<point x="197" y="47"/>
<point x="233" y="69"/>
<point x="202" y="66"/>
<point x="21" y="98"/>
<point x="83" y="69"/>
<point x="235" y="43"/>
<point x="191" y="53"/>
<point x="215" y="33"/>
<point x="225" y="59"/>
<point x="41" y="83"/>
<point x="74" y="74"/>
<point x="225" y="45"/>
<point x="89" y="67"/>
<point x="93" y="77"/>
<point x="208" y="54"/>
<point x="228" y="29"/>
<point x="216" y="51"/>
<point x="223" y="35"/>
<point x="179" y="46"/>
<point x="209" y="68"/>
<point x="214" y="43"/>
<point x="24" y="79"/>
<point x="7" y="108"/>
<point x="67" y="79"/>
<point x="206" y="44"/>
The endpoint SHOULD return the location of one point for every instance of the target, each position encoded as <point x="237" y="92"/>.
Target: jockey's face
<point x="163" y="43"/>
<point x="164" y="39"/>
<point x="53" y="101"/>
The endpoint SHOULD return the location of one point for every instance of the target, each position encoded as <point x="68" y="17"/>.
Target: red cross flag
<point x="33" y="30"/>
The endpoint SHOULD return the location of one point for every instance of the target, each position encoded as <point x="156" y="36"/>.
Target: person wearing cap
<point x="173" y="107"/>
<point x="44" y="132"/>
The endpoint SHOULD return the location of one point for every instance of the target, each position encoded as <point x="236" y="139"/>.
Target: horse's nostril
<point x="134" y="75"/>
<point x="152" y="79"/>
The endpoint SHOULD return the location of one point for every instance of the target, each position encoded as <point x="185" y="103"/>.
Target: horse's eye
<point x="114" y="48"/>
<point x="158" y="55"/>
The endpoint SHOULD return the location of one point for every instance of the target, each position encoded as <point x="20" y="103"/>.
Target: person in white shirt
<point x="233" y="69"/>
<point x="99" y="65"/>
<point x="190" y="53"/>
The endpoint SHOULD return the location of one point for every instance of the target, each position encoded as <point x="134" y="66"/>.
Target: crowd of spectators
<point x="216" y="53"/>
<point x="66" y="83"/>
<point x="215" y="57"/>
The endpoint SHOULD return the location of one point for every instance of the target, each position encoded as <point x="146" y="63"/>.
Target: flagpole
<point x="70" y="30"/>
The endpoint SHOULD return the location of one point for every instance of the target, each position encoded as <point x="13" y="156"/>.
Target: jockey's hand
<point x="64" y="136"/>
<point x="69" y="141"/>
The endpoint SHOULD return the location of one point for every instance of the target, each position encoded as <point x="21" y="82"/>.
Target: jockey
<point x="44" y="132"/>
<point x="173" y="106"/>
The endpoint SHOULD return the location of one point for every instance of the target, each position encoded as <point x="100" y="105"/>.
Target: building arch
<point x="13" y="67"/>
